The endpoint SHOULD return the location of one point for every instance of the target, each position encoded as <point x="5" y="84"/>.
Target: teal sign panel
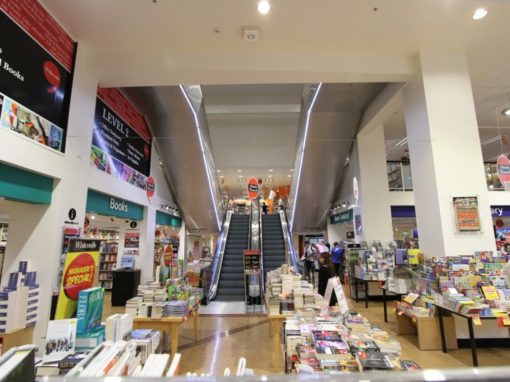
<point x="168" y="220"/>
<point x="24" y="186"/>
<point x="110" y="206"/>
<point x="342" y="217"/>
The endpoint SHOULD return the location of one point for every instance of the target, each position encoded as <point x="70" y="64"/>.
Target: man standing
<point x="337" y="253"/>
<point x="309" y="259"/>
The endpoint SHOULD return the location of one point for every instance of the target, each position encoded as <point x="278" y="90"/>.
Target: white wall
<point x="35" y="232"/>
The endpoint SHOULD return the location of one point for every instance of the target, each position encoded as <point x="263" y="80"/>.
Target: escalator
<point x="231" y="280"/>
<point x="273" y="242"/>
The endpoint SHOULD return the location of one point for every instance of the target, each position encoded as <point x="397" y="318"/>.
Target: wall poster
<point x="121" y="141"/>
<point x="36" y="66"/>
<point x="466" y="212"/>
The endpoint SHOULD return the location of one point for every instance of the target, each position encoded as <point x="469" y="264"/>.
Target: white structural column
<point x="446" y="156"/>
<point x="373" y="204"/>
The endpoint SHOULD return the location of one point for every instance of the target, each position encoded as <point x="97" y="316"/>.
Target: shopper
<point x="264" y="208"/>
<point x="338" y="258"/>
<point x="309" y="259"/>
<point x="326" y="271"/>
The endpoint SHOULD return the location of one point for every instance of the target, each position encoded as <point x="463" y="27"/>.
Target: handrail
<point x="291" y="253"/>
<point x="261" y="247"/>
<point x="249" y="225"/>
<point x="218" y="254"/>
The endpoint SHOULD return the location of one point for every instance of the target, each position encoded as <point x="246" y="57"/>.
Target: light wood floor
<point x="223" y="339"/>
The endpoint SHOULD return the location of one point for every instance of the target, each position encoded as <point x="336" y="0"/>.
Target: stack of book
<point x="19" y="300"/>
<point x="147" y="342"/>
<point x="176" y="308"/>
<point x="90" y="332"/>
<point x="118" y="327"/>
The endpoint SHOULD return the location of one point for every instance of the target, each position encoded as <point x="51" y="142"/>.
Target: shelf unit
<point x="107" y="262"/>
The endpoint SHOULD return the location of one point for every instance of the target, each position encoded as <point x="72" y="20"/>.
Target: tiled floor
<point x="225" y="338"/>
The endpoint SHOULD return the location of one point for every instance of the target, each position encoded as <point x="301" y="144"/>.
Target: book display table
<point x="442" y="311"/>
<point x="365" y="282"/>
<point x="16" y="338"/>
<point x="385" y="292"/>
<point x="169" y="325"/>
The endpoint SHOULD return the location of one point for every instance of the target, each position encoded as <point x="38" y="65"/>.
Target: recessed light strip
<point x="197" y="125"/>
<point x="307" y="124"/>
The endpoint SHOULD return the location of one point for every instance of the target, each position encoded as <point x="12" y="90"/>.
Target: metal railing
<point x="218" y="254"/>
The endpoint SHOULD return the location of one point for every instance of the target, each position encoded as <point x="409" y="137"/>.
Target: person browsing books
<point x="337" y="254"/>
<point x="326" y="271"/>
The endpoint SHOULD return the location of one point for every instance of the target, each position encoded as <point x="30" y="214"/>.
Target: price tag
<point x="477" y="321"/>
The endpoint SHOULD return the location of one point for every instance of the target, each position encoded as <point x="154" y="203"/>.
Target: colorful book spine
<point x="90" y="309"/>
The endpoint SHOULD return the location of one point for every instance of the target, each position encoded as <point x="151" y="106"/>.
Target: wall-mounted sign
<point x="36" y="64"/>
<point x="466" y="212"/>
<point x="355" y="189"/>
<point x="72" y="214"/>
<point x="133" y="225"/>
<point x="503" y="170"/>
<point x="342" y="217"/>
<point x="110" y="206"/>
<point x="132" y="240"/>
<point x="253" y="188"/>
<point x="357" y="225"/>
<point x="168" y="220"/>
<point x="121" y="142"/>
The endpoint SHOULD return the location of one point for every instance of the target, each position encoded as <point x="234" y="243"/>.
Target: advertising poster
<point x="80" y="272"/>
<point x="466" y="212"/>
<point x="132" y="240"/>
<point x="121" y="142"/>
<point x="36" y="62"/>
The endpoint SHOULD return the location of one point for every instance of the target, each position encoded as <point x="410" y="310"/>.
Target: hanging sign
<point x="253" y="188"/>
<point x="80" y="272"/>
<point x="151" y="187"/>
<point x="503" y="169"/>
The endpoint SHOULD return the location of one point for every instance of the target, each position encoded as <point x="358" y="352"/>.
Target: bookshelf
<point x="108" y="262"/>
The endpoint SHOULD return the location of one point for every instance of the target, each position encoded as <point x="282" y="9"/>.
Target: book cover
<point x="490" y="292"/>
<point x="325" y="335"/>
<point x="91" y="339"/>
<point x="60" y="340"/>
<point x="357" y="346"/>
<point x="90" y="309"/>
<point x="23" y="266"/>
<point x="372" y="360"/>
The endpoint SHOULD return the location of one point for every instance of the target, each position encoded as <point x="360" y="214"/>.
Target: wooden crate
<point x="427" y="330"/>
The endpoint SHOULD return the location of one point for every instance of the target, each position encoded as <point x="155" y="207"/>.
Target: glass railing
<point x="400" y="179"/>
<point x="399" y="176"/>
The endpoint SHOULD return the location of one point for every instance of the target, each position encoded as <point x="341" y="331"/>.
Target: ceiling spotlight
<point x="344" y="205"/>
<point x="506" y="112"/>
<point x="479" y="14"/>
<point x="218" y="170"/>
<point x="239" y="170"/>
<point x="263" y="7"/>
<point x="290" y="176"/>
<point x="92" y="217"/>
<point x="221" y="176"/>
<point x="291" y="170"/>
<point x="270" y="170"/>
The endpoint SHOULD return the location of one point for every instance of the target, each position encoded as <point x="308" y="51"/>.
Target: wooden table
<point x="275" y="325"/>
<point x="169" y="325"/>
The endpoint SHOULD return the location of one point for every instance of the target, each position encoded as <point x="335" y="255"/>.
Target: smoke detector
<point x="251" y="33"/>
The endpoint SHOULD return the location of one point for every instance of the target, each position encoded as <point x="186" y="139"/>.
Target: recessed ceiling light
<point x="263" y="7"/>
<point x="291" y="170"/>
<point x="221" y="176"/>
<point x="218" y="170"/>
<point x="290" y="176"/>
<point x="239" y="170"/>
<point x="270" y="170"/>
<point x="92" y="217"/>
<point x="240" y="176"/>
<point x="479" y="14"/>
<point x="506" y="112"/>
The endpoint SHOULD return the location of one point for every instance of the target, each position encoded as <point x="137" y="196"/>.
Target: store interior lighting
<point x="480" y="13"/>
<point x="506" y="112"/>
<point x="264" y="7"/>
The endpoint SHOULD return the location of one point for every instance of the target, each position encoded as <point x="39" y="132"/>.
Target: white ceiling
<point x="253" y="129"/>
<point x="168" y="42"/>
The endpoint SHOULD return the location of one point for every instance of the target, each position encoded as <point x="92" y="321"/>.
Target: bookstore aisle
<point x="225" y="338"/>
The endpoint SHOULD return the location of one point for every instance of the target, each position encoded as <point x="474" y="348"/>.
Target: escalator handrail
<point x="218" y="254"/>
<point x="261" y="248"/>
<point x="292" y="258"/>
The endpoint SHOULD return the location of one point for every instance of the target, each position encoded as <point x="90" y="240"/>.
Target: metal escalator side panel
<point x="291" y="256"/>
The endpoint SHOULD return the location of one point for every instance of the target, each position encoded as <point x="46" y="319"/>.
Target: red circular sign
<point x="52" y="74"/>
<point x="79" y="275"/>
<point x="253" y="188"/>
<point x="151" y="187"/>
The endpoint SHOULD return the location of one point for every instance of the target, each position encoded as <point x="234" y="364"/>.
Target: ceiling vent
<point x="251" y="33"/>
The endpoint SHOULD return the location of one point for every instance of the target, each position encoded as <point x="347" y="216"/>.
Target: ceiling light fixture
<point x="264" y="7"/>
<point x="506" y="112"/>
<point x="480" y="13"/>
<point x="218" y="170"/>
<point x="92" y="217"/>
<point x="290" y="176"/>
<point x="239" y="170"/>
<point x="401" y="143"/>
<point x="270" y="170"/>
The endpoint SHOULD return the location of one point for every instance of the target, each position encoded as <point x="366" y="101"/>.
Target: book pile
<point x="19" y="300"/>
<point x="90" y="332"/>
<point x="132" y="305"/>
<point x="335" y="343"/>
<point x="118" y="327"/>
<point x="147" y="342"/>
<point x="176" y="308"/>
<point x="274" y="305"/>
<point x="375" y="263"/>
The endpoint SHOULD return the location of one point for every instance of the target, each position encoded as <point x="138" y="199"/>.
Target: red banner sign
<point x="253" y="188"/>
